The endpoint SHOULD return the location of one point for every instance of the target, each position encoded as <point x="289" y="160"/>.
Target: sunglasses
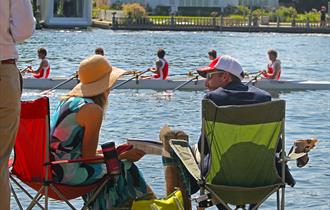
<point x="209" y="75"/>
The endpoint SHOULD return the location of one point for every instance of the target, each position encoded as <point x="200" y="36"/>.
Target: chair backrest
<point x="31" y="146"/>
<point x="242" y="141"/>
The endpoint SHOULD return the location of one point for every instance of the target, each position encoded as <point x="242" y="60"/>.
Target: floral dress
<point x="66" y="144"/>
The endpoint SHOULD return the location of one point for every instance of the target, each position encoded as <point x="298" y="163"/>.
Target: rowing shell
<point x="196" y="85"/>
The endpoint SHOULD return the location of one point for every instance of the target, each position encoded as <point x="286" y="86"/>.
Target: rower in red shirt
<point x="44" y="67"/>
<point x="273" y="68"/>
<point x="161" y="69"/>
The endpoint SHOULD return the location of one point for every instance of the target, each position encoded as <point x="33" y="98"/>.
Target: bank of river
<point x="142" y="113"/>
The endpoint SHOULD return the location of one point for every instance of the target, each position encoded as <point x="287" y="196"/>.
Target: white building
<point x="66" y="13"/>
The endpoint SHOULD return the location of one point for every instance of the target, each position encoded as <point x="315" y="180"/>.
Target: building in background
<point x="66" y="13"/>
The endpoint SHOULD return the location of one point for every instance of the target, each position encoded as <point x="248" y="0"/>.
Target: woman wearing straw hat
<point x="75" y="130"/>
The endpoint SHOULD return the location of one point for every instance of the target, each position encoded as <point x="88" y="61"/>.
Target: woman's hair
<point x="43" y="51"/>
<point x="100" y="99"/>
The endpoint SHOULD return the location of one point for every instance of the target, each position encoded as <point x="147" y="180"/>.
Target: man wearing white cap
<point x="224" y="80"/>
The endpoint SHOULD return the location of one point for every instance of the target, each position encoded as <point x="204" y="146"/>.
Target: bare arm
<point x="158" y="67"/>
<point x="90" y="117"/>
<point x="43" y="63"/>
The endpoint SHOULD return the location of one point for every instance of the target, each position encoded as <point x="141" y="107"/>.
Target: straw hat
<point x="96" y="75"/>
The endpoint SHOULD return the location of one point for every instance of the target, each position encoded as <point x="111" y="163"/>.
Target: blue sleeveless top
<point x="66" y="144"/>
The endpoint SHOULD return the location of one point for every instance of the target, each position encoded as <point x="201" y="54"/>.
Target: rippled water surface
<point x="142" y="113"/>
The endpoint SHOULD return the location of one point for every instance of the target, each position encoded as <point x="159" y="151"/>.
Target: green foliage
<point x="104" y="7"/>
<point x="243" y="10"/>
<point x="286" y="13"/>
<point x="259" y="12"/>
<point x="312" y="16"/>
<point x="95" y="13"/>
<point x="236" y="17"/>
<point x="134" y="10"/>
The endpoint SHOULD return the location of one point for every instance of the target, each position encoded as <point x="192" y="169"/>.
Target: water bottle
<point x="111" y="158"/>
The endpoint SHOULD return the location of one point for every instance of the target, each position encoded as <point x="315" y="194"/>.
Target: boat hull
<point x="271" y="85"/>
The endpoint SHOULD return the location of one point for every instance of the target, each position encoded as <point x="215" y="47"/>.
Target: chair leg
<point x="278" y="199"/>
<point x="283" y="199"/>
<point x="24" y="190"/>
<point x="35" y="199"/>
<point x="16" y="198"/>
<point x="46" y="198"/>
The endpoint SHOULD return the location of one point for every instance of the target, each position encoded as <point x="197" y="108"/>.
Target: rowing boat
<point x="196" y="85"/>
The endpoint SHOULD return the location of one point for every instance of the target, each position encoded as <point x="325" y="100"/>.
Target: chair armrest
<point x="10" y="162"/>
<point x="185" y="154"/>
<point x="79" y="160"/>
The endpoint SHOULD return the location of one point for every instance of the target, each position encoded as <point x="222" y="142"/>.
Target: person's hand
<point x="262" y="71"/>
<point x="29" y="69"/>
<point x="132" y="155"/>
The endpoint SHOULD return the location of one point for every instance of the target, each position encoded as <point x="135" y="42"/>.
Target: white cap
<point x="225" y="63"/>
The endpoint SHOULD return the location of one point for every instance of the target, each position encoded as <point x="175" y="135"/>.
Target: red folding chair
<point x="31" y="163"/>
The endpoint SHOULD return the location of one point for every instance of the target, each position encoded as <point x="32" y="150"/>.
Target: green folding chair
<point x="242" y="141"/>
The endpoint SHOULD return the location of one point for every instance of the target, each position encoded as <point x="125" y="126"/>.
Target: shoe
<point x="301" y="162"/>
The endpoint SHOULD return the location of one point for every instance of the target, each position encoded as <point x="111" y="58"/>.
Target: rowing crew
<point x="161" y="69"/>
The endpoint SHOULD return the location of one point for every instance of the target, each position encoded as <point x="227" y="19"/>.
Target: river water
<point x="142" y="113"/>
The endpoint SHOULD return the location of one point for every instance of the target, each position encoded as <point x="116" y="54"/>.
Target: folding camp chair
<point x="242" y="142"/>
<point x="31" y="163"/>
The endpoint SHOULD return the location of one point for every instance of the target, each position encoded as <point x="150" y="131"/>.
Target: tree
<point x="134" y="10"/>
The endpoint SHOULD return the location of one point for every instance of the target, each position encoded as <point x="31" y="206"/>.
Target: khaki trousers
<point x="9" y="119"/>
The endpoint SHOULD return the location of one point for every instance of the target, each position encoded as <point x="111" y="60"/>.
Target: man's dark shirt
<point x="236" y="93"/>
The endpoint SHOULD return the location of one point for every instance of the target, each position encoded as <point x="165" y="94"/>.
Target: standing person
<point x="43" y="70"/>
<point x="224" y="81"/>
<point x="274" y="66"/>
<point x="75" y="129"/>
<point x="16" y="25"/>
<point x="99" y="51"/>
<point x="161" y="69"/>
<point x="323" y="17"/>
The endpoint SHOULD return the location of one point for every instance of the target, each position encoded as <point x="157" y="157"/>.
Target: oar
<point x="24" y="70"/>
<point x="189" y="73"/>
<point x="170" y="92"/>
<point x="75" y="75"/>
<point x="254" y="78"/>
<point x="135" y="76"/>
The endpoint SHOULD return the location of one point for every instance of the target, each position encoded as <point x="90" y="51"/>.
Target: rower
<point x="161" y="69"/>
<point x="212" y="54"/>
<point x="99" y="51"/>
<point x="274" y="66"/>
<point x="44" y="67"/>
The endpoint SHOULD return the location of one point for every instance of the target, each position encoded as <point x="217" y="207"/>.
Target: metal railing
<point x="248" y="23"/>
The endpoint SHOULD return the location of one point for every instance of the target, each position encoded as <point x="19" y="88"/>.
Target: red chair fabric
<point x="31" y="150"/>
